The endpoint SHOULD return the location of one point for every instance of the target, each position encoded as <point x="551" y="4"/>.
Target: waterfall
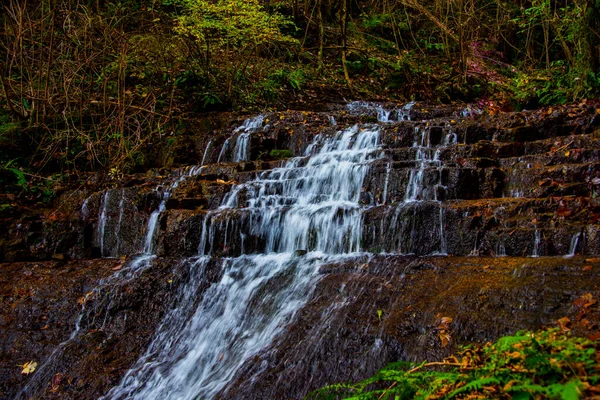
<point x="241" y="148"/>
<point x="310" y="204"/>
<point x="223" y="149"/>
<point x="120" y="221"/>
<point x="573" y="245"/>
<point x="122" y="276"/>
<point x="102" y="217"/>
<point x="425" y="156"/>
<point x="536" y="244"/>
<point x="500" y="250"/>
<point x="388" y="169"/>
<point x="205" y="152"/>
<point x="251" y="124"/>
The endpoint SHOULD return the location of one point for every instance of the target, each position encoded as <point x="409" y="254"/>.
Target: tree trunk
<point x="344" y="23"/>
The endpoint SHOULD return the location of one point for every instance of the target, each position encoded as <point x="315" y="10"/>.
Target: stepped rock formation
<point x="247" y="276"/>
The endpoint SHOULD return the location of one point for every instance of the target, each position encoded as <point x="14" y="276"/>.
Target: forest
<point x="88" y="85"/>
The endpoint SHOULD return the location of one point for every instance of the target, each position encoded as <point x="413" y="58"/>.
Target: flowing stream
<point x="308" y="214"/>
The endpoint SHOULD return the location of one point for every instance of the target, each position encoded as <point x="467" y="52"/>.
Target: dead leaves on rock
<point x="28" y="367"/>
<point x="585" y="302"/>
<point x="443" y="327"/>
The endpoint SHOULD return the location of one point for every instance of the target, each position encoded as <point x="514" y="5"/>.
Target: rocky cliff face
<point x="489" y="219"/>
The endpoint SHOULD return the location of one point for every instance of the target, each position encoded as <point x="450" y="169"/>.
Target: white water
<point x="241" y="151"/>
<point x="500" y="249"/>
<point x="125" y="274"/>
<point x="102" y="218"/>
<point x="312" y="204"/>
<point x="251" y="124"/>
<point x="536" y="244"/>
<point x="382" y="114"/>
<point x="205" y="152"/>
<point x="108" y="241"/>
<point x="119" y="222"/>
<point x="388" y="169"/>
<point x="425" y="157"/>
<point x="573" y="245"/>
<point x="223" y="149"/>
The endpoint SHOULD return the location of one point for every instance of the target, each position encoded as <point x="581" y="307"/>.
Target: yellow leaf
<point x="445" y="338"/>
<point x="567" y="154"/>
<point x="28" y="367"/>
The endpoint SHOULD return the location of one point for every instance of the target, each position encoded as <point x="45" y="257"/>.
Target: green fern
<point x="475" y="385"/>
<point x="547" y="364"/>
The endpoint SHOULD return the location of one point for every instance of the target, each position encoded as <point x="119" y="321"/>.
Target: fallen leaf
<point x="585" y="301"/>
<point x="594" y="336"/>
<point x="445" y="338"/>
<point x="545" y="182"/>
<point x="563" y="322"/>
<point x="117" y="267"/>
<point x="56" y="382"/>
<point x="82" y="300"/>
<point x="28" y="367"/>
<point x="43" y="328"/>
<point x="587" y="268"/>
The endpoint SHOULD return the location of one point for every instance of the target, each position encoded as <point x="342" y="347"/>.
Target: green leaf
<point x="570" y="391"/>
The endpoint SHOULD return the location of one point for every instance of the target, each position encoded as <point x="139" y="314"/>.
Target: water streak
<point x="102" y="218"/>
<point x="573" y="245"/>
<point x="536" y="244"/>
<point x="223" y="150"/>
<point x="241" y="151"/>
<point x="388" y="169"/>
<point x="205" y="152"/>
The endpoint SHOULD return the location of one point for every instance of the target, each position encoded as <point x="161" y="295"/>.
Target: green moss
<point x="280" y="154"/>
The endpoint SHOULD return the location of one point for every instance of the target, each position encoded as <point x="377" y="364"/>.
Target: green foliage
<point x="234" y="23"/>
<point x="527" y="365"/>
<point x="7" y="128"/>
<point x="280" y="154"/>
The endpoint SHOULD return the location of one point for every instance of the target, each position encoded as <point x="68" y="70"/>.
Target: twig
<point x="387" y="390"/>
<point x="563" y="147"/>
<point x="436" y="363"/>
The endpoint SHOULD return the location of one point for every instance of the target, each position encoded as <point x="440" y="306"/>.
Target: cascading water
<point x="102" y="220"/>
<point x="205" y="152"/>
<point x="223" y="150"/>
<point x="420" y="188"/>
<point x="241" y="148"/>
<point x="125" y="274"/>
<point x="109" y="223"/>
<point x="242" y="143"/>
<point x="536" y="243"/>
<point x="308" y="214"/>
<point x="573" y="245"/>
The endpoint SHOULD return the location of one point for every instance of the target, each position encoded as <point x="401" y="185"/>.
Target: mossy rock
<point x="280" y="154"/>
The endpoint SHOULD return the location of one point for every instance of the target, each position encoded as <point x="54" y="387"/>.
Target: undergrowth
<point x="546" y="364"/>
